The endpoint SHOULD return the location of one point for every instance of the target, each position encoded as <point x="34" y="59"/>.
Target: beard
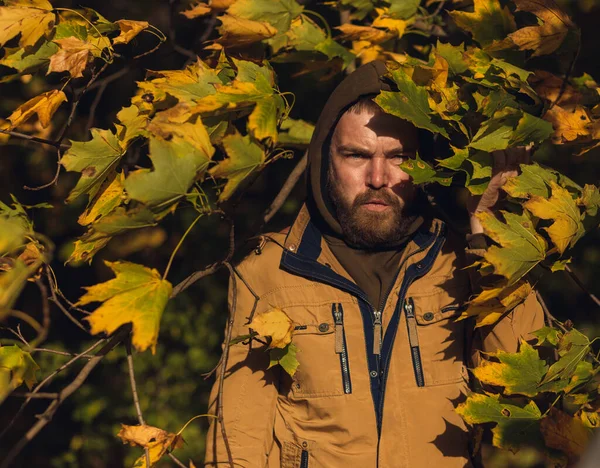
<point x="372" y="230"/>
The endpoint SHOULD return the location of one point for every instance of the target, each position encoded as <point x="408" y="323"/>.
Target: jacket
<point x="355" y="402"/>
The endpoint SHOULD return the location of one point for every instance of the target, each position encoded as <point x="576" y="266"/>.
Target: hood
<point x="364" y="81"/>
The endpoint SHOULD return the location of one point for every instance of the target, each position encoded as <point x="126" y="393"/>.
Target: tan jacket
<point x="355" y="404"/>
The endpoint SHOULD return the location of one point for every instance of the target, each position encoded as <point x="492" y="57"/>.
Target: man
<point x="373" y="283"/>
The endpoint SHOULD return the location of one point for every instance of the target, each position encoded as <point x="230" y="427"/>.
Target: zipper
<point x="413" y="339"/>
<point x="304" y="459"/>
<point x="377" y="332"/>
<point x="340" y="346"/>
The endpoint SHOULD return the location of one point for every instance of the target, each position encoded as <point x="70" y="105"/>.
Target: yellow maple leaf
<point x="395" y="26"/>
<point x="73" y="56"/>
<point x="129" y="29"/>
<point x="563" y="210"/>
<point x="44" y="106"/>
<point x="107" y="199"/>
<point x="492" y="303"/>
<point x="197" y="10"/>
<point x="31" y="23"/>
<point x="137" y="294"/>
<point x="547" y="37"/>
<point x="157" y="441"/>
<point x="276" y="324"/>
<point x="353" y="32"/>
<point x="568" y="125"/>
<point x="237" y="32"/>
<point x="365" y="51"/>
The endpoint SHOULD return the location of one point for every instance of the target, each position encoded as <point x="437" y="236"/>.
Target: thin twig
<point x="54" y="179"/>
<point x="287" y="188"/>
<point x="61" y="353"/>
<point x="575" y="278"/>
<point x="172" y="33"/>
<point x="43" y="141"/>
<point x="115" y="76"/>
<point x="224" y="359"/>
<point x="186" y="283"/>
<point x="210" y="27"/>
<point x="34" y="395"/>
<point x="94" y="106"/>
<point x="552" y="320"/>
<point x="136" y="401"/>
<point x="43" y="333"/>
<point x="65" y="393"/>
<point x="48" y="379"/>
<point x="176" y="460"/>
<point x="54" y="299"/>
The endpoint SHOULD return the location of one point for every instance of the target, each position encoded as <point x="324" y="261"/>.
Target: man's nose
<point x="378" y="175"/>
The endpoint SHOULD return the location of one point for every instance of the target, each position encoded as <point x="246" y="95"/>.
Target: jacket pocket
<point x="436" y="340"/>
<point x="340" y="346"/>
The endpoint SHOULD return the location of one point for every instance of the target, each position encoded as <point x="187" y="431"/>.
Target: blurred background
<point x="170" y="383"/>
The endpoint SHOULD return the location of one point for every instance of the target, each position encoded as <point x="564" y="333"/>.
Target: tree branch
<point x="35" y="139"/>
<point x="579" y="283"/>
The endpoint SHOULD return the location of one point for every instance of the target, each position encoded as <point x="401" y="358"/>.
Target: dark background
<point x="171" y="388"/>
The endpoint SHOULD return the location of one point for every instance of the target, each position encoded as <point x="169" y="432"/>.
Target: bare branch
<point x="35" y="139"/>
<point x="34" y="395"/>
<point x="287" y="188"/>
<point x="54" y="179"/>
<point x="65" y="393"/>
<point x="579" y="283"/>
<point x="172" y="33"/>
<point x="43" y="333"/>
<point x="176" y="460"/>
<point x="61" y="353"/>
<point x="136" y="401"/>
<point x="186" y="283"/>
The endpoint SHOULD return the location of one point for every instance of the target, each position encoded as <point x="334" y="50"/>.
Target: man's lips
<point x="376" y="205"/>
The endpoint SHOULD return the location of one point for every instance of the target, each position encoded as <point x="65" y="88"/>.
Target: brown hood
<point x="366" y="80"/>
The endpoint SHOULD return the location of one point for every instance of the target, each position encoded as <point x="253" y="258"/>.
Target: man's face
<point x="371" y="194"/>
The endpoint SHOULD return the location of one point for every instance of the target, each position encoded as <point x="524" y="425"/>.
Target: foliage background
<point x="170" y="384"/>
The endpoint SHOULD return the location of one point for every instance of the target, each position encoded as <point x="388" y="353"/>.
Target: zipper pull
<point x="413" y="335"/>
<point x="377" y="332"/>
<point x="338" y="316"/>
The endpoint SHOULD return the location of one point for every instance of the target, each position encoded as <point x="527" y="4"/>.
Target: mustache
<point x="370" y="195"/>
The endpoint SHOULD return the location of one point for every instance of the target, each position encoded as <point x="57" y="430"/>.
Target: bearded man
<point x="373" y="283"/>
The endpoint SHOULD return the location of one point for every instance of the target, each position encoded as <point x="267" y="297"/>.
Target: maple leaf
<point x="129" y="29"/>
<point x="197" y="10"/>
<point x="109" y="196"/>
<point x="421" y="172"/>
<point x="410" y="103"/>
<point x="285" y="357"/>
<point x="277" y="13"/>
<point x="73" y="56"/>
<point x="31" y="23"/>
<point x="94" y="159"/>
<point x="573" y="346"/>
<point x="519" y="373"/>
<point x="177" y="163"/>
<point x="515" y="426"/>
<point x="546" y="335"/>
<point x="568" y="125"/>
<point x="243" y="158"/>
<point x="43" y="105"/>
<point x="275" y="324"/>
<point x="393" y="25"/>
<point x="136" y="295"/>
<point x="590" y="199"/>
<point x="353" y="32"/>
<point x="157" y="441"/>
<point x="491" y="304"/>
<point x="25" y="62"/>
<point x="566" y="228"/>
<point x="238" y="32"/>
<point x="295" y="133"/>
<point x="16" y="367"/>
<point x="133" y="125"/>
<point x="533" y="180"/>
<point x="565" y="433"/>
<point x="547" y="37"/>
<point x="488" y="22"/>
<point x="521" y="249"/>
<point x="403" y="8"/>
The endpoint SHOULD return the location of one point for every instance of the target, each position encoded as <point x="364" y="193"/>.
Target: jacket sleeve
<point x="514" y="326"/>
<point x="249" y="397"/>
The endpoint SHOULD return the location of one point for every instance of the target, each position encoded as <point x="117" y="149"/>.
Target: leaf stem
<point x="180" y="243"/>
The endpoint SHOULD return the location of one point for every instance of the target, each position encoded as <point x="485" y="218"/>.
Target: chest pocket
<point x="324" y="369"/>
<point x="436" y="338"/>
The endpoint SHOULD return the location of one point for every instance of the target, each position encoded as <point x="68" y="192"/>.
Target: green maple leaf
<point x="547" y="335"/>
<point x="295" y="133"/>
<point x="137" y="294"/>
<point x="573" y="346"/>
<point x="24" y="63"/>
<point x="16" y="367"/>
<point x="495" y="133"/>
<point x="285" y="357"/>
<point x="278" y="13"/>
<point x="262" y="122"/>
<point x="243" y="158"/>
<point x="94" y="159"/>
<point x="403" y="9"/>
<point x="362" y="7"/>
<point x="521" y="249"/>
<point x="422" y="172"/>
<point x="488" y="22"/>
<point x="177" y="163"/>
<point x="410" y="103"/>
<point x="515" y="426"/>
<point x="533" y="180"/>
<point x="519" y="373"/>
<point x="454" y="55"/>
<point x="590" y="199"/>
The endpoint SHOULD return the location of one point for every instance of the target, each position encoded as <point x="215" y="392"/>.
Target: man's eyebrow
<point x="353" y="149"/>
<point x="401" y="150"/>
